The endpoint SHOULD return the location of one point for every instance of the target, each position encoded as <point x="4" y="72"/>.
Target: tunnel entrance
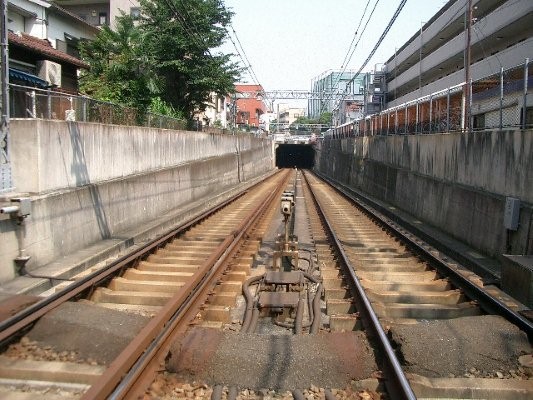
<point x="301" y="156"/>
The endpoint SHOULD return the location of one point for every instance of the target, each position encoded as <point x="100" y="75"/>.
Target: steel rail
<point x="122" y="375"/>
<point x="29" y="315"/>
<point x="486" y="301"/>
<point x="397" y="384"/>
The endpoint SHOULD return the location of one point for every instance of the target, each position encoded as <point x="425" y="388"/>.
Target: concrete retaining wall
<point x="90" y="182"/>
<point x="456" y="182"/>
<point x="51" y="155"/>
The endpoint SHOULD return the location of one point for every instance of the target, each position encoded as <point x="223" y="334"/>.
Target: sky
<point x="290" y="42"/>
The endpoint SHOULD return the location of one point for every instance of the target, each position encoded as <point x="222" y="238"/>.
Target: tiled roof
<point x="44" y="47"/>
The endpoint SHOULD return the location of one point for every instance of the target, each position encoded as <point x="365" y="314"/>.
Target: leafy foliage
<point x="164" y="59"/>
<point x="118" y="68"/>
<point x="324" y="119"/>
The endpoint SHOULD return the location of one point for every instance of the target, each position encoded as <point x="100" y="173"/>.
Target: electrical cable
<point x="344" y="62"/>
<point x="335" y="86"/>
<point x="387" y="28"/>
<point x="254" y="76"/>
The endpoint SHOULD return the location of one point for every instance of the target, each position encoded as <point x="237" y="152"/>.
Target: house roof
<point x="42" y="46"/>
<point x="68" y="14"/>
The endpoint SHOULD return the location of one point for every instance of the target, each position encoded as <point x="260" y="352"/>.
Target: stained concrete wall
<point x="50" y="155"/>
<point x="90" y="182"/>
<point x="456" y="182"/>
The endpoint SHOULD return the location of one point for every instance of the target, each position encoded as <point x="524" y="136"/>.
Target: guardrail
<point x="498" y="101"/>
<point x="30" y="102"/>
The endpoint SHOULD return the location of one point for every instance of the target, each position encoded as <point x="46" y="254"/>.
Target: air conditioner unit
<point x="50" y="72"/>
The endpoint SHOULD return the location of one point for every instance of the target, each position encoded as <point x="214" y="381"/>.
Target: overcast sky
<point x="289" y="42"/>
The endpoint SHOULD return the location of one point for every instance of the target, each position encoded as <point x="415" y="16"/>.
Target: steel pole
<point x="467" y="88"/>
<point x="5" y="166"/>
<point x="501" y="98"/>
<point x="524" y="108"/>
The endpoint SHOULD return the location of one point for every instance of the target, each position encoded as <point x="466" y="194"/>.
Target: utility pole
<point x="5" y="165"/>
<point x="467" y="87"/>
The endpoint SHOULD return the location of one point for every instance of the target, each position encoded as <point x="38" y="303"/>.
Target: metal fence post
<point x="524" y="108"/>
<point x="430" y="113"/>
<point x="405" y="115"/>
<point x="470" y="106"/>
<point x="48" y="104"/>
<point x="33" y="105"/>
<point x="501" y="98"/>
<point x="417" y="116"/>
<point x="448" y="111"/>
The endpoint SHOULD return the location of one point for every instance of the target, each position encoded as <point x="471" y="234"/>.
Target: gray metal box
<point x="511" y="214"/>
<point x="24" y="206"/>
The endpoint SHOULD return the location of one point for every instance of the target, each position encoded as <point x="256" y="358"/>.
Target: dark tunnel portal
<point x="300" y="156"/>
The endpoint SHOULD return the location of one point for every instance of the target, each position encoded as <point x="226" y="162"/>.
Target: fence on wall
<point x="29" y="102"/>
<point x="497" y="101"/>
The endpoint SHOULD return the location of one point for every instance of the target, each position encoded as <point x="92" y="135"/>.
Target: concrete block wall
<point x="456" y="182"/>
<point x="90" y="182"/>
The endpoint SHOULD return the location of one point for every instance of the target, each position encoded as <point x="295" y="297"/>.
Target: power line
<point x="246" y="66"/>
<point x="387" y="28"/>
<point x="253" y="75"/>
<point x="335" y="86"/>
<point x="344" y="62"/>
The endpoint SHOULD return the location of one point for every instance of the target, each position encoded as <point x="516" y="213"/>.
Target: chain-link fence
<point x="29" y="102"/>
<point x="497" y="101"/>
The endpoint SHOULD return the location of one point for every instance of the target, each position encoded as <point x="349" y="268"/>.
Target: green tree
<point x="118" y="66"/>
<point x="179" y="35"/>
<point x="325" y="118"/>
<point x="163" y="60"/>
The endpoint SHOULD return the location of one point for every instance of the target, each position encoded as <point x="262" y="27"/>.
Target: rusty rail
<point x="144" y="354"/>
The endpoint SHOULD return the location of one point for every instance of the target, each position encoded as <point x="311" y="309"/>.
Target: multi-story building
<point x="434" y="58"/>
<point x="288" y="115"/>
<point x="215" y="113"/>
<point x="246" y="107"/>
<point x="43" y="44"/>
<point x="328" y="86"/>
<point x="101" y="12"/>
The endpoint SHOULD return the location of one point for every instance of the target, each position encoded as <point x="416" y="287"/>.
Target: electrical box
<point x="511" y="214"/>
<point x="24" y="204"/>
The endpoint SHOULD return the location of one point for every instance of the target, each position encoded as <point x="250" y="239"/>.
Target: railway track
<point x="452" y="336"/>
<point x="122" y="308"/>
<point x="310" y="298"/>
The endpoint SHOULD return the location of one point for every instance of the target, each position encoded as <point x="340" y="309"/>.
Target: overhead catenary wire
<point x="387" y="28"/>
<point x="344" y="62"/>
<point x="253" y="75"/>
<point x="246" y="66"/>
<point x="336" y="84"/>
<point x="244" y="58"/>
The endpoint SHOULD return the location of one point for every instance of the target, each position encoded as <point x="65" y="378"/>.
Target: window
<point x="135" y="12"/>
<point x="72" y="45"/>
<point x="102" y="18"/>
<point x="479" y="121"/>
